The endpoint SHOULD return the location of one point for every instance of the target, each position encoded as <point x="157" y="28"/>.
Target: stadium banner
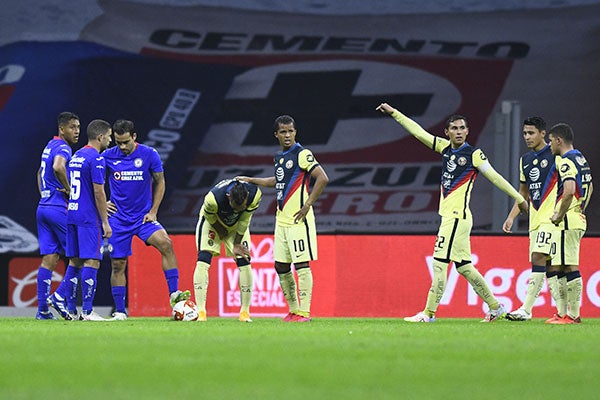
<point x="18" y="280"/>
<point x="361" y="276"/>
<point x="204" y="84"/>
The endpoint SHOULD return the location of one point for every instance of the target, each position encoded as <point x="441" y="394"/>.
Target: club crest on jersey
<point x="289" y="164"/>
<point x="138" y="162"/>
<point x="462" y="161"/>
<point x="580" y="160"/>
<point x="544" y="163"/>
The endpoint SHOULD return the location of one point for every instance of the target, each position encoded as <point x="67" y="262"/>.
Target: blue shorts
<point x="52" y="229"/>
<point x="123" y="232"/>
<point x="84" y="242"/>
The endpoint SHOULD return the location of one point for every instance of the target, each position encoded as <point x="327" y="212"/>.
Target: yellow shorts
<point x="566" y="249"/>
<point x="541" y="240"/>
<point x="453" y="240"/>
<point x="207" y="238"/>
<point x="296" y="243"/>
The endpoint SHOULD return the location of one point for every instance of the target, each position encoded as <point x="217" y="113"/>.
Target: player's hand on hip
<point x="150" y="217"/>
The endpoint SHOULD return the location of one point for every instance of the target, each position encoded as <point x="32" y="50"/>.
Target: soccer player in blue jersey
<point x="573" y="195"/>
<point x="225" y="218"/>
<point x="295" y="239"/>
<point x="51" y="215"/>
<point x="137" y="186"/>
<point x="87" y="218"/>
<point x="538" y="183"/>
<point x="461" y="164"/>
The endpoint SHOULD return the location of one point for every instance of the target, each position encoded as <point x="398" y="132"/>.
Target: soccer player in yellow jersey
<point x="461" y="163"/>
<point x="573" y="195"/>
<point x="538" y="183"/>
<point x="295" y="230"/>
<point x="225" y="218"/>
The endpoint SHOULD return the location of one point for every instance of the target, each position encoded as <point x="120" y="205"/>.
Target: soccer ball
<point x="185" y="310"/>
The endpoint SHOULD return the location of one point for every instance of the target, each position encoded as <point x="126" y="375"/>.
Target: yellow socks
<point x="438" y="285"/>
<point x="536" y="281"/>
<point x="201" y="284"/>
<point x="288" y="287"/>
<point x="245" y="282"/>
<point x="305" y="287"/>
<point x="479" y="285"/>
<point x="574" y="288"/>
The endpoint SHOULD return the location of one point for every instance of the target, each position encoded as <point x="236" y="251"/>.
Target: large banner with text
<point x="360" y="276"/>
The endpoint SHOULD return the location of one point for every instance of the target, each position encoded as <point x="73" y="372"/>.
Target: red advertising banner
<point x="22" y="280"/>
<point x="360" y="276"/>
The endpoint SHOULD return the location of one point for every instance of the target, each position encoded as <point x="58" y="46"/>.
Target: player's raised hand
<point x="385" y="108"/>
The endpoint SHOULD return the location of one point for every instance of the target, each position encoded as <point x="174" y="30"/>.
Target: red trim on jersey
<point x="294" y="187"/>
<point x="467" y="178"/>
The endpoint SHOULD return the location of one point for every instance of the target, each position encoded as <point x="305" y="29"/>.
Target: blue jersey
<point x="50" y="196"/>
<point x="85" y="168"/>
<point x="130" y="180"/>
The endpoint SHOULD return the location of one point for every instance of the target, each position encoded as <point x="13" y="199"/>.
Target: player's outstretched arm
<point x="411" y="126"/>
<point x="498" y="180"/>
<point x="515" y="211"/>
<point x="266" y="182"/>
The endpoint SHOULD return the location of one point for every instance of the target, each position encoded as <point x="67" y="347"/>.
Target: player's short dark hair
<point x="456" y="117"/>
<point x="538" y="122"/>
<point x="563" y="131"/>
<point x="238" y="192"/>
<point x="96" y="128"/>
<point x="65" y="117"/>
<point x="122" y="126"/>
<point x="283" y="120"/>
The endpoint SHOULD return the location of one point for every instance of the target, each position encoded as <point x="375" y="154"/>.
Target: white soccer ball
<point x="185" y="310"/>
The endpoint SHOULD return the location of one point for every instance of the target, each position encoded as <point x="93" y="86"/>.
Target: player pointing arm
<point x="460" y="164"/>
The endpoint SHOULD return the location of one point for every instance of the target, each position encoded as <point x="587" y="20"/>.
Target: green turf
<point x="153" y="358"/>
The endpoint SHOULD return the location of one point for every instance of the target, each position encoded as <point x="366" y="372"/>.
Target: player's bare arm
<point x="266" y="182"/>
<point x="515" y="211"/>
<point x="321" y="180"/>
<point x="59" y="166"/>
<point x="158" y="193"/>
<point x="567" y="198"/>
<point x="239" y="250"/>
<point x="100" y="199"/>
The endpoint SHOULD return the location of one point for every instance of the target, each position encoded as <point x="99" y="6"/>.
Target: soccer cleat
<point x="518" y="315"/>
<point x="244" y="316"/>
<point x="420" y="317"/>
<point x="93" y="316"/>
<point x="494" y="315"/>
<point x="118" y="316"/>
<point x="301" y="318"/>
<point x="45" y="315"/>
<point x="60" y="306"/>
<point x="178" y="296"/>
<point x="555" y="317"/>
<point x="566" y="320"/>
<point x="289" y="317"/>
<point x="202" y="316"/>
